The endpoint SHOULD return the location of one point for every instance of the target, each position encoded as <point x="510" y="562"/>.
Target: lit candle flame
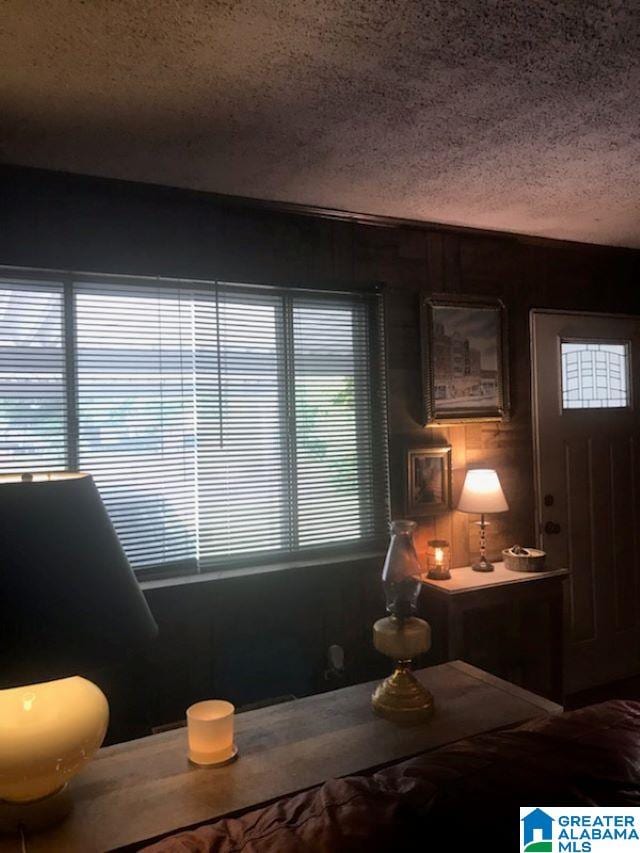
<point x="439" y="556"/>
<point x="27" y="701"/>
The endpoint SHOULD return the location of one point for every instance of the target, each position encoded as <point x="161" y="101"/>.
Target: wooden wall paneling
<point x="460" y="555"/>
<point x="349" y="604"/>
<point x="426" y="530"/>
<point x="488" y="264"/>
<point x="452" y="278"/>
<point x="342" y="255"/>
<point x="444" y="521"/>
<point x="435" y="274"/>
<point x="375" y="254"/>
<point x="169" y="680"/>
<point x="269" y="637"/>
<point x="366" y="661"/>
<point x="444" y="527"/>
<point x="412" y="244"/>
<point x="79" y="223"/>
<point x="403" y="337"/>
<point x="404" y="400"/>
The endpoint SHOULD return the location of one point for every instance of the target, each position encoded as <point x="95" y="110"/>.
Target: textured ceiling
<point x="521" y="115"/>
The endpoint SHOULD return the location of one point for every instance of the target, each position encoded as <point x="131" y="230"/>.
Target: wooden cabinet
<point x="507" y="623"/>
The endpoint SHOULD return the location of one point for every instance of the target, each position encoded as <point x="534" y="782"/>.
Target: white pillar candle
<point x="210" y="732"/>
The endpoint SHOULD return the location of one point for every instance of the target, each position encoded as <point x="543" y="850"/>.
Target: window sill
<point x="271" y="568"/>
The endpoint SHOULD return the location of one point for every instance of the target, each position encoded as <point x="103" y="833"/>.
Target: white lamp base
<point x="49" y="732"/>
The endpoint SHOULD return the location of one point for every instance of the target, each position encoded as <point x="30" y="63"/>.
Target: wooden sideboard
<point x="508" y="623"/>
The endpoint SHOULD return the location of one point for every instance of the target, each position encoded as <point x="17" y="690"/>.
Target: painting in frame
<point x="428" y="487"/>
<point x="464" y="360"/>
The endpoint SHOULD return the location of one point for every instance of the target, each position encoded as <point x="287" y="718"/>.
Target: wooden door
<point x="586" y="405"/>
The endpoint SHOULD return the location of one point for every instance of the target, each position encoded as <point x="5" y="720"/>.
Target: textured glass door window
<point x="595" y="375"/>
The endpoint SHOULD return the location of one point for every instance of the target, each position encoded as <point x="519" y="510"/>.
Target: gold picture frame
<point x="428" y="485"/>
<point x="465" y="365"/>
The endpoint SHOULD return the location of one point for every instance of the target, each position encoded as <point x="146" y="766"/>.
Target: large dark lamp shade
<point x="69" y="602"/>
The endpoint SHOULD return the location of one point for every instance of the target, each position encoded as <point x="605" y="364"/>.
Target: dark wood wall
<point x="265" y="635"/>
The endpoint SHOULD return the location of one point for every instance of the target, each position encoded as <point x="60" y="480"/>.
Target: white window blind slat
<point x="33" y="403"/>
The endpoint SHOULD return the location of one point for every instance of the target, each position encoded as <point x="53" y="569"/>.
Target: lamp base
<point x="401" y="698"/>
<point x="34" y="815"/>
<point x="483" y="566"/>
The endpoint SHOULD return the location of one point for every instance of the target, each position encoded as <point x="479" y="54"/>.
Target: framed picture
<point x="464" y="360"/>
<point x="428" y="481"/>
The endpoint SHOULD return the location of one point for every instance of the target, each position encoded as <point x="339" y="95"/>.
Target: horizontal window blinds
<point x="223" y="424"/>
<point x="33" y="412"/>
<point x="241" y="423"/>
<point x="135" y="392"/>
<point x="337" y="472"/>
<point x="289" y="448"/>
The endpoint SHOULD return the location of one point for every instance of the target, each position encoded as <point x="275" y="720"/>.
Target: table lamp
<point x="482" y="493"/>
<point x="69" y="603"/>
<point x="401" y="698"/>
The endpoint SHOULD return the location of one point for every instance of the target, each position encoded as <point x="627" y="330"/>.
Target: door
<point x="586" y="409"/>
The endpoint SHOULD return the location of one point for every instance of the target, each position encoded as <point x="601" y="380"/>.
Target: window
<point x="595" y="375"/>
<point x="223" y="424"/>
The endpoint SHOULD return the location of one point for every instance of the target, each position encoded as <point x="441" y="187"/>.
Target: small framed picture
<point x="428" y="481"/>
<point x="464" y="360"/>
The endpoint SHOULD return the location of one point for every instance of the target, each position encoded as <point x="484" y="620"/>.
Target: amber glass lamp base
<point x="401" y="698"/>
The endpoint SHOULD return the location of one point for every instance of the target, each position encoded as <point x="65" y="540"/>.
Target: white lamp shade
<point x="482" y="492"/>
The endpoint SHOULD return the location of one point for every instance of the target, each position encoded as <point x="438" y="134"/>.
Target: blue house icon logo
<point x="538" y="832"/>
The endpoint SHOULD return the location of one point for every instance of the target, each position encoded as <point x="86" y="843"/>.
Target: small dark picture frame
<point x="465" y="365"/>
<point x="428" y="487"/>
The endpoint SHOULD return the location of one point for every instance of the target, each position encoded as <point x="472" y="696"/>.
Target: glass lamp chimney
<point x="400" y="575"/>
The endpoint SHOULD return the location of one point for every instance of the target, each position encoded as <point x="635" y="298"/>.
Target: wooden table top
<point x="133" y="792"/>
<point x="466" y="580"/>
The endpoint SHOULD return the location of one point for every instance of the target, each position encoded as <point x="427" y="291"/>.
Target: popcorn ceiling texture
<point x="520" y="115"/>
